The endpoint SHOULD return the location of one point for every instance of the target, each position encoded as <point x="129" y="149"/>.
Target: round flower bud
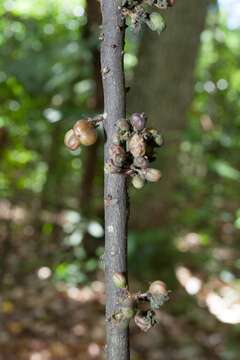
<point x="158" y="288"/>
<point x="81" y="126"/>
<point x="88" y="137"/>
<point x="86" y="132"/>
<point x="71" y="140"/>
<point x="141" y="162"/>
<point x="137" y="146"/>
<point x="123" y="125"/>
<point x="152" y="175"/>
<point x="119" y="280"/>
<point x="138" y="182"/>
<point x="159" y="294"/>
<point x="138" y="121"/>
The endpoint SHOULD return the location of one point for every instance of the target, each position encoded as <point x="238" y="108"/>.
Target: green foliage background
<point x="46" y="84"/>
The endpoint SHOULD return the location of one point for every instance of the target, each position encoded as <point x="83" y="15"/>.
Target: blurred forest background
<point x="184" y="230"/>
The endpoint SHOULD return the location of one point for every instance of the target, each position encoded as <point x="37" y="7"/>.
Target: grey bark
<point x="115" y="190"/>
<point x="163" y="88"/>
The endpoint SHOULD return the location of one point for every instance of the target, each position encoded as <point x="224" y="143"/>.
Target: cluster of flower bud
<point x="82" y="133"/>
<point x="137" y="11"/>
<point x="132" y="150"/>
<point x="156" y="296"/>
<point x="133" y="306"/>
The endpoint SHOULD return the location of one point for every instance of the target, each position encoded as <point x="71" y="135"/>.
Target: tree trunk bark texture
<point x="163" y="88"/>
<point x="115" y="189"/>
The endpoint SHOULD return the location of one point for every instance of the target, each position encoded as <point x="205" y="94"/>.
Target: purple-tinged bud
<point x="138" y="121"/>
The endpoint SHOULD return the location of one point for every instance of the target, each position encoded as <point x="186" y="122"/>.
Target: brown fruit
<point x="71" y="140"/>
<point x="81" y="126"/>
<point x="89" y="137"/>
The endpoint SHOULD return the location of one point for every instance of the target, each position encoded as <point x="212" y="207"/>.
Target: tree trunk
<point x="115" y="191"/>
<point x="163" y="88"/>
<point x="91" y="154"/>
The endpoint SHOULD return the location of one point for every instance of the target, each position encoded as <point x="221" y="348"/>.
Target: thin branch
<point x="115" y="184"/>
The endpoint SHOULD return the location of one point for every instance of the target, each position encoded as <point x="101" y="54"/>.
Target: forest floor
<point x="41" y="321"/>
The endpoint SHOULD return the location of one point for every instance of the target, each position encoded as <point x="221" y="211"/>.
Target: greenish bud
<point x="138" y="182"/>
<point x="158" y="140"/>
<point x="119" y="280"/>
